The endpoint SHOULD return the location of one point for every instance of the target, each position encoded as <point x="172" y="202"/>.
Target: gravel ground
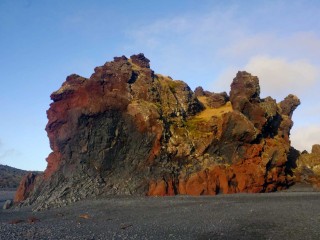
<point x="293" y="214"/>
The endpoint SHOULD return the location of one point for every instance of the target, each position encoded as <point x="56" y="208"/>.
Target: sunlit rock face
<point x="127" y="130"/>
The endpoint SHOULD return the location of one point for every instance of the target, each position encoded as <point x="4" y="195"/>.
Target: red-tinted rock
<point x="25" y="188"/>
<point x="246" y="86"/>
<point x="161" y="188"/>
<point x="16" y="221"/>
<point x="33" y="219"/>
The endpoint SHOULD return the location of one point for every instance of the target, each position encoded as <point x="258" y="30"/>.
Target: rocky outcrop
<point x="308" y="167"/>
<point x="26" y="187"/>
<point x="213" y="100"/>
<point x="127" y="130"/>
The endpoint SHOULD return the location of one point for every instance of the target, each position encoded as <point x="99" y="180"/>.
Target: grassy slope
<point x="210" y="112"/>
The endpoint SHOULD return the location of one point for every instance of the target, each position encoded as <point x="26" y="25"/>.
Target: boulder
<point x="8" y="204"/>
<point x="216" y="100"/>
<point x="199" y="92"/>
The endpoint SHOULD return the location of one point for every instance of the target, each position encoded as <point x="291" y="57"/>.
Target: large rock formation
<point x="127" y="130"/>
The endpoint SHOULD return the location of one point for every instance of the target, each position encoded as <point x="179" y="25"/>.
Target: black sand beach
<point x="290" y="214"/>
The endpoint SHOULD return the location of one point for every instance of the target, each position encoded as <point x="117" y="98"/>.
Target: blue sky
<point x="201" y="42"/>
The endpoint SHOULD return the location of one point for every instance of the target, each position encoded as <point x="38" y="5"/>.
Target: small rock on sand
<point x="7" y="204"/>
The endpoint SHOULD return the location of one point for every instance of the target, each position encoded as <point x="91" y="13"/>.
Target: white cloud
<point x="295" y="45"/>
<point x="7" y="153"/>
<point x="303" y="137"/>
<point x="279" y="77"/>
<point x="222" y="84"/>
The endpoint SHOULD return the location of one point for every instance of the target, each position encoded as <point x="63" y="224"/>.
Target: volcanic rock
<point x="289" y="104"/>
<point x="213" y="100"/>
<point x="308" y="167"/>
<point x="216" y="100"/>
<point x="127" y="130"/>
<point x="199" y="92"/>
<point x="25" y="187"/>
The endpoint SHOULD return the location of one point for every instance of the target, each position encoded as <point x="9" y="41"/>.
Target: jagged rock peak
<point x="140" y="60"/>
<point x="245" y="85"/>
<point x="316" y="149"/>
<point x="289" y="104"/>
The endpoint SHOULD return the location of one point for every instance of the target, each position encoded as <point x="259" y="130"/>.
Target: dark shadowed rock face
<point x="127" y="130"/>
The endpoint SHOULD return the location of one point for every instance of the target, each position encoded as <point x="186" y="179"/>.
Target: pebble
<point x="7" y="204"/>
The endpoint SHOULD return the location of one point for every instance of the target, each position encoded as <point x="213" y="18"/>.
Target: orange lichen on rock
<point x="161" y="188"/>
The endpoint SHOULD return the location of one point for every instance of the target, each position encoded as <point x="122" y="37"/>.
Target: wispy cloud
<point x="5" y="153"/>
<point x="304" y="137"/>
<point x="278" y="76"/>
<point x="8" y="153"/>
<point x="302" y="44"/>
<point x="188" y="41"/>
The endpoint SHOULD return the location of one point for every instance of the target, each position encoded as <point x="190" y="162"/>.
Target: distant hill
<point x="10" y="177"/>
